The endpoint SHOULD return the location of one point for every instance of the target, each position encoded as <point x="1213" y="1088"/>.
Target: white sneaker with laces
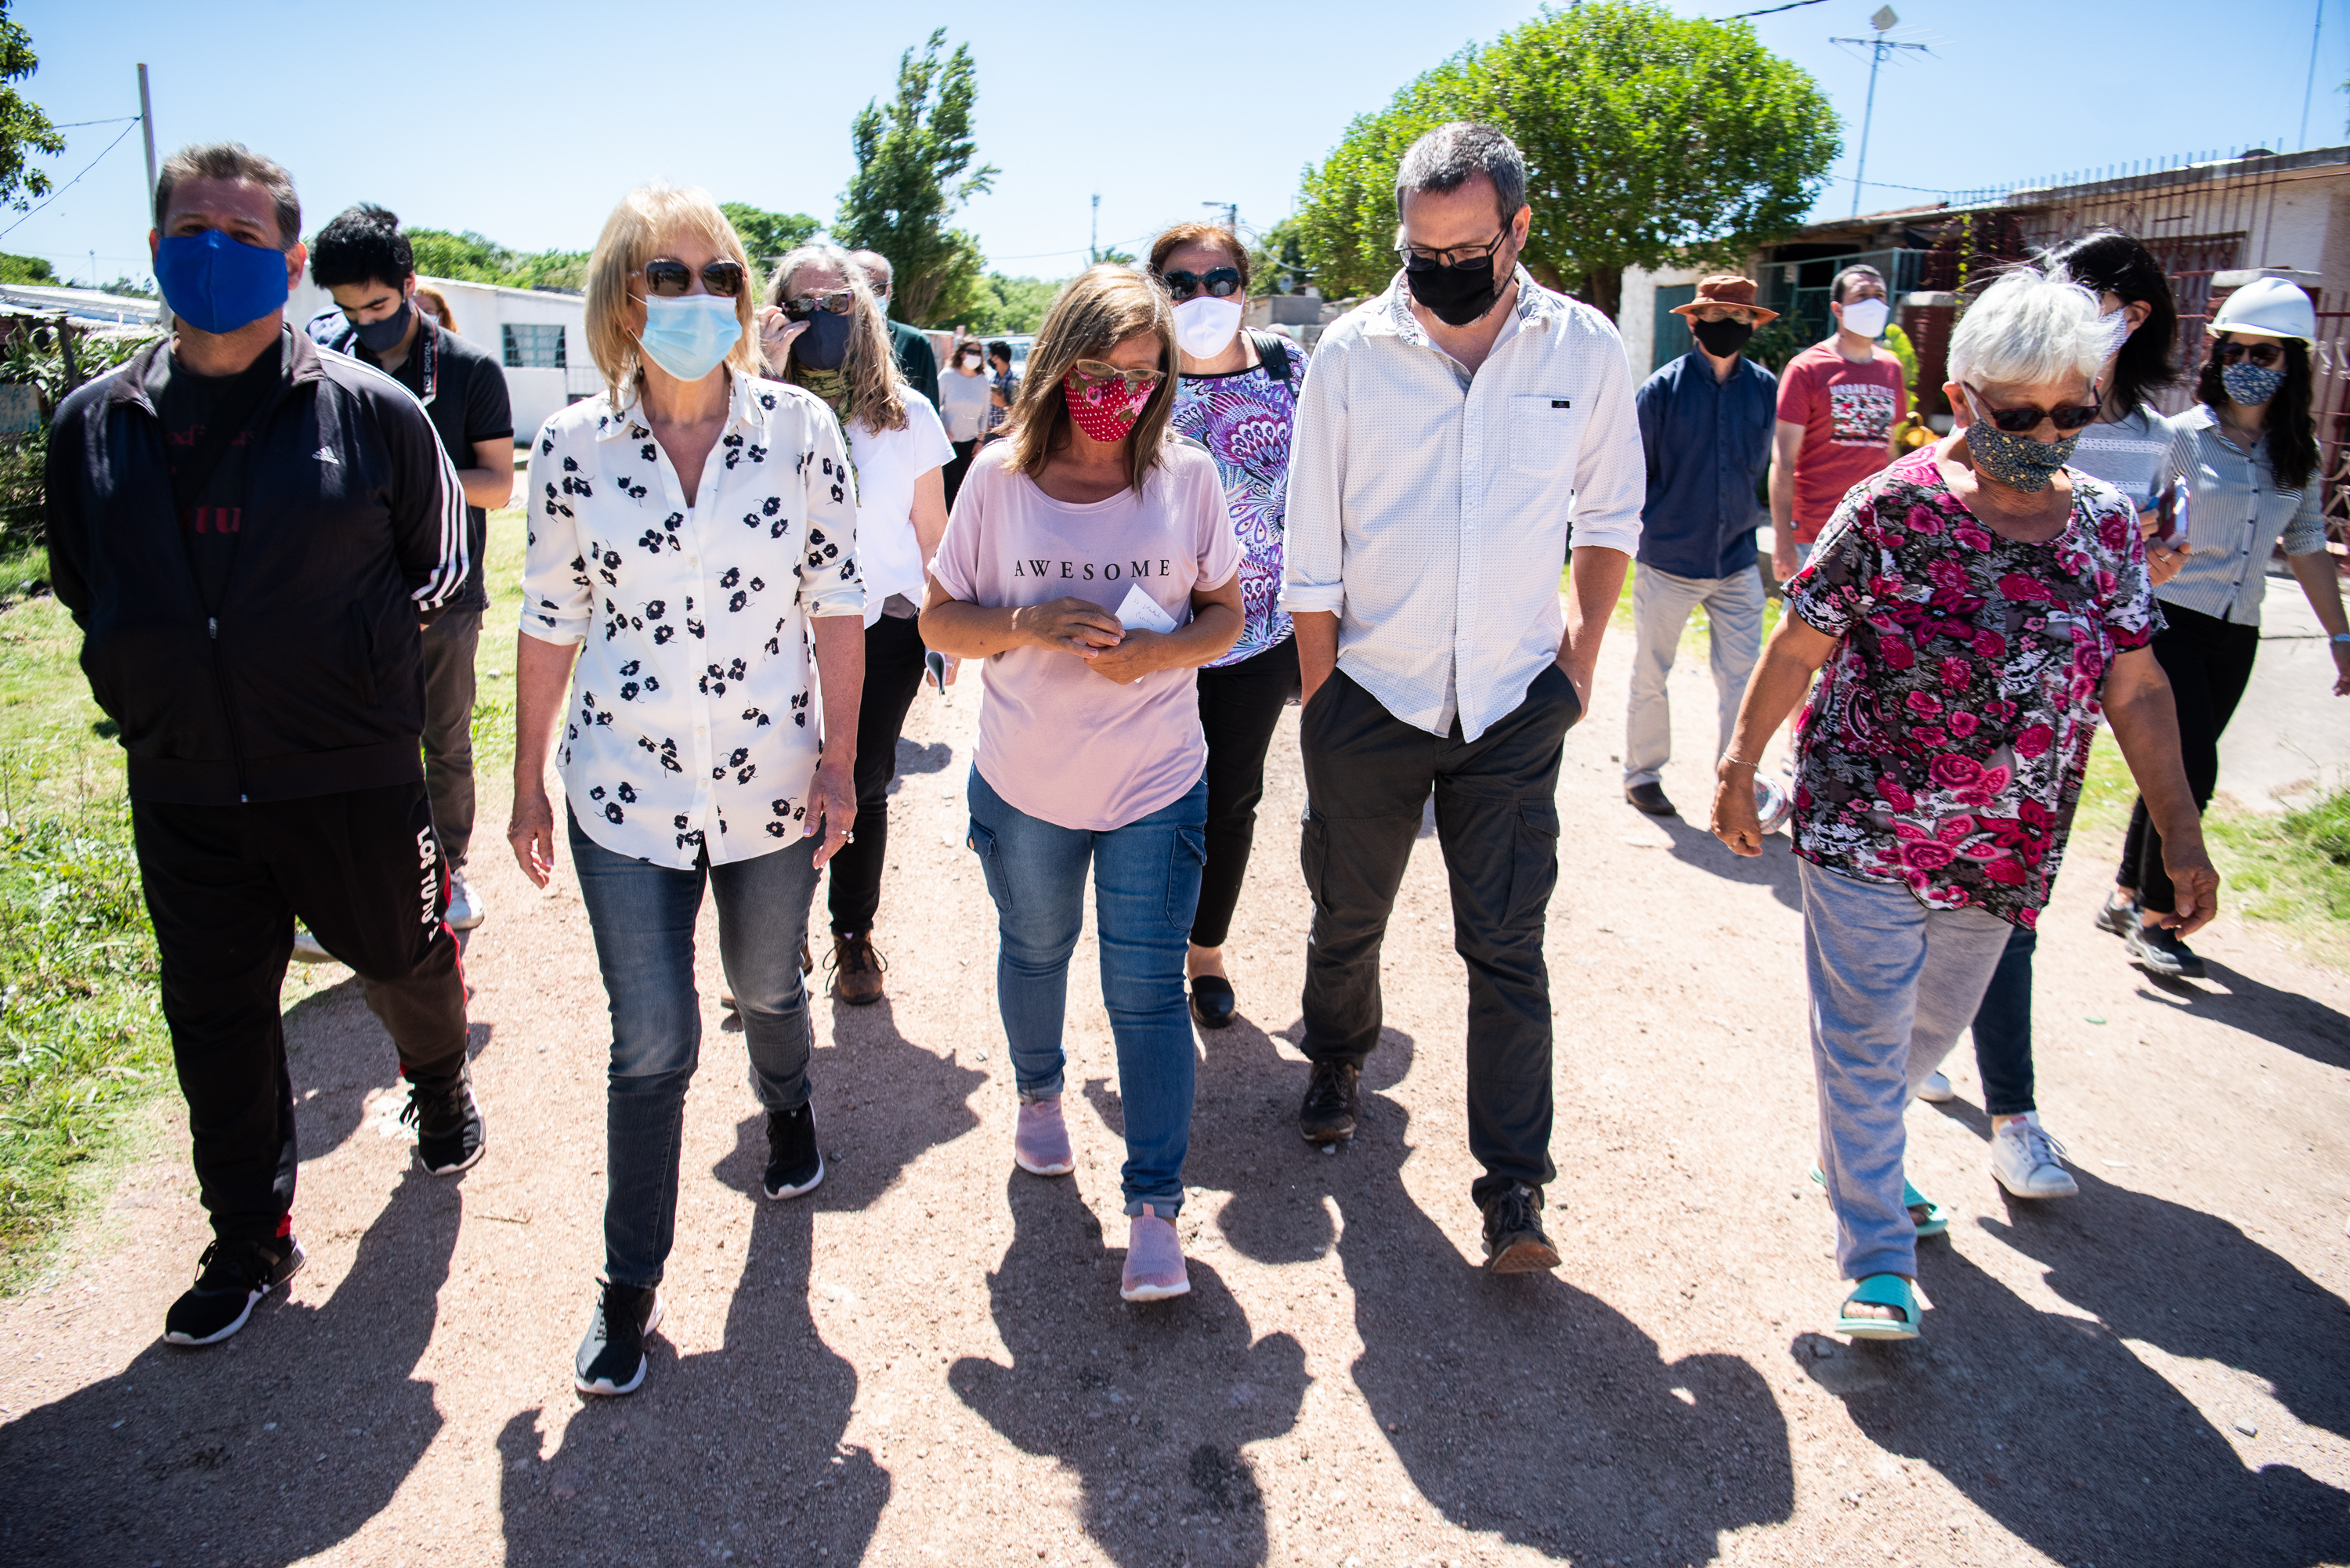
<point x="2028" y="1162"/>
<point x="1935" y="1090"/>
<point x="466" y="909"/>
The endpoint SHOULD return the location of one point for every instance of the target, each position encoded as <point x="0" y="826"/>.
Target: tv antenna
<point x="1880" y="48"/>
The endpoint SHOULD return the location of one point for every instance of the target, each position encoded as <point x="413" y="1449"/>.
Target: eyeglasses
<point x="2268" y="356"/>
<point x="1418" y="259"/>
<point x="839" y="301"/>
<point x="1097" y="373"/>
<point x="670" y="278"/>
<point x="1738" y="312"/>
<point x="2016" y="421"/>
<point x="1220" y="282"/>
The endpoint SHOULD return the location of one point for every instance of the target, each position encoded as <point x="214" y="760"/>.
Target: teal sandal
<point x="1881" y="1290"/>
<point x="1937" y="1221"/>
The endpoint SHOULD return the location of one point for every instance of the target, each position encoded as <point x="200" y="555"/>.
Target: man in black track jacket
<point x="249" y="532"/>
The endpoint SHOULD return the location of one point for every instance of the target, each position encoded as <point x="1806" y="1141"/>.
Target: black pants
<point x="449" y="646"/>
<point x="2209" y="663"/>
<point x="893" y="674"/>
<point x="1239" y="706"/>
<point x="959" y="466"/>
<point x="2002" y="1030"/>
<point x="225" y="883"/>
<point x="1368" y="775"/>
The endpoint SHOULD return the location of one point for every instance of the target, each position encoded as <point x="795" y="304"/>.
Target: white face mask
<point x="2117" y="330"/>
<point x="1867" y="316"/>
<point x="1204" y="325"/>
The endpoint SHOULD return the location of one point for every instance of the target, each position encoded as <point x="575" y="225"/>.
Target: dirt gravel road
<point x="926" y="1360"/>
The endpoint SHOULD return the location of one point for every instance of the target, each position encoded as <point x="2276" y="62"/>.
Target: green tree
<point x="1651" y="140"/>
<point x="1007" y="304"/>
<point x="23" y="126"/>
<point x="26" y="269"/>
<point x="768" y="235"/>
<point x="1277" y="261"/>
<point x="917" y="163"/>
<point x="469" y="257"/>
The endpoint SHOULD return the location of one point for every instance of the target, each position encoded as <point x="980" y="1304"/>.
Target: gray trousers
<point x="1892" y="983"/>
<point x="449" y="645"/>
<point x="1661" y="603"/>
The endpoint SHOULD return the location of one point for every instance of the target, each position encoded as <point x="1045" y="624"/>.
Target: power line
<point x="77" y="124"/>
<point x="70" y="183"/>
<point x="1772" y="10"/>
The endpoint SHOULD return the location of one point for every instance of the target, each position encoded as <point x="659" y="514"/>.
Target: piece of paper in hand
<point x="1140" y="609"/>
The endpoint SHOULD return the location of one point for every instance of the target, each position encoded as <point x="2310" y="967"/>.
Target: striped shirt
<point x="1431" y="510"/>
<point x="2238" y="515"/>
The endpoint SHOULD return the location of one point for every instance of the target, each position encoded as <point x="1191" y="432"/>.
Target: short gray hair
<point x="2028" y="329"/>
<point x="1448" y="157"/>
<point x="886" y="272"/>
<point x="234" y="162"/>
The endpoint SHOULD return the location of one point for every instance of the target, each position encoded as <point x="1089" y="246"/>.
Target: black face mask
<point x="1723" y="338"/>
<point x="824" y="345"/>
<point x="382" y="337"/>
<point x="1455" y="296"/>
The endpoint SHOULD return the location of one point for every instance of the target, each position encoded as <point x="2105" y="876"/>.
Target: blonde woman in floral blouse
<point x="1978" y="606"/>
<point x="688" y="528"/>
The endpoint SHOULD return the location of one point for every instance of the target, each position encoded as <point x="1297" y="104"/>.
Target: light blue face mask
<point x="691" y="335"/>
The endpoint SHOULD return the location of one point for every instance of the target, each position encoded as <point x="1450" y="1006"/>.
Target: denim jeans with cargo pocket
<point x="1145" y="888"/>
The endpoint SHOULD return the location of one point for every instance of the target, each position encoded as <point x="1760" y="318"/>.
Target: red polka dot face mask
<point x="1106" y="401"/>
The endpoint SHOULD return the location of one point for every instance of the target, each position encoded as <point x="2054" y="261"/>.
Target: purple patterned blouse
<point x="1244" y="420"/>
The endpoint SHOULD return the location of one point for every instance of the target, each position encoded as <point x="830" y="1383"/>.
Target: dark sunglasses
<point x="2016" y="421"/>
<point x="1220" y="282"/>
<point x="1415" y="259"/>
<point x="2268" y="356"/>
<point x="839" y="301"/>
<point x="670" y="278"/>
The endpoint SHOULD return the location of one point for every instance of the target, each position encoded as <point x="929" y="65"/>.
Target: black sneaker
<point x="235" y="1275"/>
<point x="2118" y="915"/>
<point x="2158" y="951"/>
<point x="449" y="1132"/>
<point x="1332" y="1098"/>
<point x="1515" y="1242"/>
<point x="795" y="1164"/>
<point x="613" y="1357"/>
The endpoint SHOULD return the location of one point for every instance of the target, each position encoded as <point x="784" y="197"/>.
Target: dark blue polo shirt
<point x="1707" y="445"/>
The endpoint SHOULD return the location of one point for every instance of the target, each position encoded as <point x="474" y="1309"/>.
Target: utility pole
<point x="1092" y="245"/>
<point x="2310" y="86"/>
<point x="1879" y="47"/>
<point x="147" y="129"/>
<point x="1232" y="212"/>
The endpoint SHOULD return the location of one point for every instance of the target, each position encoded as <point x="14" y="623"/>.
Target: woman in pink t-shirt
<point x="1091" y="563"/>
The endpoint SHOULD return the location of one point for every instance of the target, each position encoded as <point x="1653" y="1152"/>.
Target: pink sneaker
<point x="1040" y="1144"/>
<point x="1154" y="1260"/>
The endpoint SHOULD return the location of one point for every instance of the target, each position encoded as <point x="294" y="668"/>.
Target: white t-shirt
<point x="887" y="464"/>
<point x="964" y="402"/>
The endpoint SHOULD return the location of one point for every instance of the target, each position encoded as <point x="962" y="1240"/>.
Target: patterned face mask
<point x="2249" y="385"/>
<point x="1106" y="411"/>
<point x="2017" y="462"/>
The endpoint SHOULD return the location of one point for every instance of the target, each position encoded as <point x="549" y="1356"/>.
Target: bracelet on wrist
<point x="2339" y="637"/>
<point x="1738" y="762"/>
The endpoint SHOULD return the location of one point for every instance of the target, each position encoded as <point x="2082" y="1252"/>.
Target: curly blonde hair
<point x="632" y="236"/>
<point x="1100" y="308"/>
<point x="871" y="367"/>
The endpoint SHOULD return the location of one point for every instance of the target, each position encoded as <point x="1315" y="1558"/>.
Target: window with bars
<point x="532" y="347"/>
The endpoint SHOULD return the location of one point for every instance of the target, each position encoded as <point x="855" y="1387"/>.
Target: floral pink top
<point x="1944" y="745"/>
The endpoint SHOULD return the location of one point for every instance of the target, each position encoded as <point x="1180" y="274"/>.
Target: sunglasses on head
<point x="2016" y="421"/>
<point x="1219" y="282"/>
<point x="839" y="301"/>
<point x="1095" y="372"/>
<point x="2268" y="356"/>
<point x="670" y="278"/>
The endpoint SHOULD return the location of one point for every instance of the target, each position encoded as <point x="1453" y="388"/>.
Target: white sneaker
<point x="466" y="909"/>
<point x="2028" y="1162"/>
<point x="1935" y="1090"/>
<point x="306" y="948"/>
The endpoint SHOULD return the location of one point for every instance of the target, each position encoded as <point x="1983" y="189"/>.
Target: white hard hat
<point x="2267" y="307"/>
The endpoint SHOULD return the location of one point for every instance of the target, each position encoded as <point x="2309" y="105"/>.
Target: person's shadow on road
<point x="2301" y="1025"/>
<point x="1523" y="1407"/>
<point x="739" y="1449"/>
<point x="1694" y="844"/>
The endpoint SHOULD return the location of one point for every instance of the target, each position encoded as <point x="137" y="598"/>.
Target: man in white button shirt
<point x="1456" y="432"/>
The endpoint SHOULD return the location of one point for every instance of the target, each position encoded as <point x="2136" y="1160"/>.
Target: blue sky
<point x="524" y="121"/>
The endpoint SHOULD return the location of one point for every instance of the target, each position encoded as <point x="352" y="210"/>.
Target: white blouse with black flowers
<point x="693" y="723"/>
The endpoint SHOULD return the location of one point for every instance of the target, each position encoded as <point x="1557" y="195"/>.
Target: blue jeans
<point x="1145" y="888"/>
<point x="642" y="916"/>
<point x="2003" y="1030"/>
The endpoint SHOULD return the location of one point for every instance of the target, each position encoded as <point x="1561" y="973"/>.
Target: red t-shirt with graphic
<point x="1848" y="413"/>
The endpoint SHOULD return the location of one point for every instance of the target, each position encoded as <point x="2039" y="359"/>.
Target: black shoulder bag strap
<point x="1274" y="349"/>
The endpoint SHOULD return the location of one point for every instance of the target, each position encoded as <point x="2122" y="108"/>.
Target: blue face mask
<point x="691" y="335"/>
<point x="216" y="283"/>
<point x="2249" y="385"/>
<point x="824" y="345"/>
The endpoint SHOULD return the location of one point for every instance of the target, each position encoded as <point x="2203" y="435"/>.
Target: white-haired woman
<point x="1091" y="563"/>
<point x="689" y="525"/>
<point x="823" y="330"/>
<point x="1977" y="605"/>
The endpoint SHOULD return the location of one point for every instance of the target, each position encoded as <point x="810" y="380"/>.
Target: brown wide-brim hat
<point x="1726" y="288"/>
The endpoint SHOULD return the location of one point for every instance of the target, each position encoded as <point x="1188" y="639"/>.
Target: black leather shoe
<point x="1650" y="798"/>
<point x="1515" y="1242"/>
<point x="1332" y="1098"/>
<point x="1212" y="1002"/>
